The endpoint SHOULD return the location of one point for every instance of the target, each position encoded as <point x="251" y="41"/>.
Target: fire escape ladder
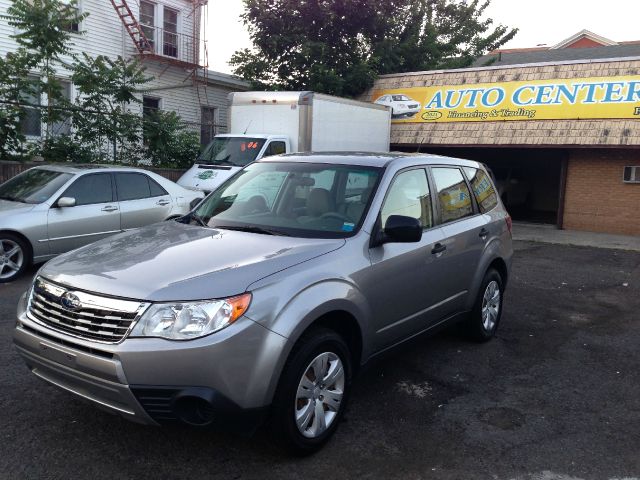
<point x="132" y="26"/>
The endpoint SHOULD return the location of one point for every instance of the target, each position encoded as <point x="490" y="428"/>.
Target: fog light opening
<point x="194" y="411"/>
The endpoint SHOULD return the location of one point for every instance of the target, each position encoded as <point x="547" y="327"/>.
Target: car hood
<point x="8" y="207"/>
<point x="173" y="261"/>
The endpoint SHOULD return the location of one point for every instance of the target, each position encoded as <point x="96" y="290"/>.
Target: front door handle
<point x="438" y="248"/>
<point x="163" y="202"/>
<point x="109" y="208"/>
<point x="483" y="233"/>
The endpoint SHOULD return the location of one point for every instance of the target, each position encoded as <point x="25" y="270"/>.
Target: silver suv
<point x="269" y="296"/>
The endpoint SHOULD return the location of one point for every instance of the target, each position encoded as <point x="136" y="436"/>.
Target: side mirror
<point x="66" y="202"/>
<point x="398" y="229"/>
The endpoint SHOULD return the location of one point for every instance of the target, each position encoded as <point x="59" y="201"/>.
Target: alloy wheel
<point x="11" y="258"/>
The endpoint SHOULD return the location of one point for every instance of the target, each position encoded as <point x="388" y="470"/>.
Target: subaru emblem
<point x="70" y="301"/>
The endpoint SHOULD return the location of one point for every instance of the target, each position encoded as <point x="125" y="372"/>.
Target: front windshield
<point x="235" y="151"/>
<point x="287" y="198"/>
<point x="33" y="186"/>
<point x="400" y="98"/>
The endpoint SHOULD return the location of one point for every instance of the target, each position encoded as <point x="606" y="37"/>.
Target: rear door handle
<point x="109" y="208"/>
<point x="483" y="233"/>
<point x="438" y="248"/>
<point x="163" y="202"/>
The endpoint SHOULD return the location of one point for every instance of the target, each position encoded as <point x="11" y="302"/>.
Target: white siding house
<point x="174" y="55"/>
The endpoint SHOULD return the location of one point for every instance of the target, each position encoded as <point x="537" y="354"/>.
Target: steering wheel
<point x="335" y="215"/>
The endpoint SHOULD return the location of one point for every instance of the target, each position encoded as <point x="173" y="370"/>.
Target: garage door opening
<point x="529" y="180"/>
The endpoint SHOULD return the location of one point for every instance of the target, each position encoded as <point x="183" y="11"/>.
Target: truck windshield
<point x="310" y="200"/>
<point x="236" y="151"/>
<point x="33" y="186"/>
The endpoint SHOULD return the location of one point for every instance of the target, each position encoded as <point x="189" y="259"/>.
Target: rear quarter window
<point x="483" y="189"/>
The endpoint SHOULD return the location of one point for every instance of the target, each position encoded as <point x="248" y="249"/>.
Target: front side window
<point x="91" y="189"/>
<point x="132" y="186"/>
<point x="296" y="199"/>
<point x="275" y="148"/>
<point x="453" y="194"/>
<point x="33" y="186"/>
<point x="409" y="196"/>
<point x="235" y="151"/>
<point x="482" y="189"/>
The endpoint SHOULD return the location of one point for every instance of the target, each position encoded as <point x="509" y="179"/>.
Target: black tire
<point x="476" y="326"/>
<point x="282" y="422"/>
<point x="23" y="256"/>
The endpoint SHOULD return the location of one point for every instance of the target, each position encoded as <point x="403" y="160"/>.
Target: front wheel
<point x="487" y="311"/>
<point x="312" y="393"/>
<point x="14" y="257"/>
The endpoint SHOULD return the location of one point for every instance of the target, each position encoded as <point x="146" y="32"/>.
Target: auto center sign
<point x="578" y="98"/>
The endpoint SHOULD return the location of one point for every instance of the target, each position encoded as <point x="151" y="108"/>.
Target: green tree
<point x="44" y="46"/>
<point x="14" y="86"/>
<point x="340" y="46"/>
<point x="169" y="141"/>
<point x="106" y="111"/>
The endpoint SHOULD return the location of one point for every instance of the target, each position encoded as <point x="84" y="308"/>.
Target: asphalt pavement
<point x="556" y="396"/>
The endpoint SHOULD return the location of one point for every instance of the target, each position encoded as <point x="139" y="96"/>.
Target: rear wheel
<point x="487" y="311"/>
<point x="312" y="393"/>
<point x="14" y="257"/>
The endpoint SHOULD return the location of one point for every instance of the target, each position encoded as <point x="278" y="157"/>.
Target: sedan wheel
<point x="12" y="259"/>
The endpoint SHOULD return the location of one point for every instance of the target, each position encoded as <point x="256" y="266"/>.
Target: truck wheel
<point x="487" y="310"/>
<point x="312" y="393"/>
<point x="14" y="257"/>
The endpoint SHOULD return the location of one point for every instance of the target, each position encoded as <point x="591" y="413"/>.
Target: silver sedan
<point x="49" y="210"/>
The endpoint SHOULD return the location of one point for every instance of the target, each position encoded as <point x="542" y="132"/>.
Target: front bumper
<point x="226" y="379"/>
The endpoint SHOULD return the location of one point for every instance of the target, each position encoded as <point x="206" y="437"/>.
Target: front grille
<point x="90" y="316"/>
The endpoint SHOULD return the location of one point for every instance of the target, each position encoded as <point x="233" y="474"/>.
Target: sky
<point x="539" y="22"/>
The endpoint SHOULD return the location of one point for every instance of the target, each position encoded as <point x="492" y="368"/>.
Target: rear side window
<point x="155" y="188"/>
<point x="453" y="193"/>
<point x="90" y="189"/>
<point x="132" y="186"/>
<point x="275" y="148"/>
<point x="482" y="188"/>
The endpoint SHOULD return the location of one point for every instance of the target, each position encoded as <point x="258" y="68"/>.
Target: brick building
<point x="557" y="125"/>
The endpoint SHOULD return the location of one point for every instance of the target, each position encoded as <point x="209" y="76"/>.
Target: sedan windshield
<point x="286" y="198"/>
<point x="33" y="186"/>
<point x="235" y="151"/>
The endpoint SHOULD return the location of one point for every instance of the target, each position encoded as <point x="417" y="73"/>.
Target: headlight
<point x="184" y="321"/>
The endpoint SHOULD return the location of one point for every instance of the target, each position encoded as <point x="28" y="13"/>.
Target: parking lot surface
<point x="555" y="396"/>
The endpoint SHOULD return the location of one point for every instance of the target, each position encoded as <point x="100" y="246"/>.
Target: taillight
<point x="509" y="222"/>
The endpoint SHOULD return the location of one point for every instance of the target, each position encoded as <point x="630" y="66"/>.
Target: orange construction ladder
<point x="132" y="26"/>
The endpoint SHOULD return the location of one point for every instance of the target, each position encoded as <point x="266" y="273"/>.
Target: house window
<point x="31" y="121"/>
<point x="208" y="125"/>
<point x="150" y="105"/>
<point x="73" y="26"/>
<point x="148" y="22"/>
<point x="170" y="25"/>
<point x="63" y="125"/>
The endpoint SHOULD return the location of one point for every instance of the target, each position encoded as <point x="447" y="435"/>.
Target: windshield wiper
<point x="252" y="229"/>
<point x="12" y="199"/>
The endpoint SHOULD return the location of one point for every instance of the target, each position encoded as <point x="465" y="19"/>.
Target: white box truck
<point x="271" y="123"/>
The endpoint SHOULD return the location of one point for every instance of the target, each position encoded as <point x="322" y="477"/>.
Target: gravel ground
<point x="556" y="396"/>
